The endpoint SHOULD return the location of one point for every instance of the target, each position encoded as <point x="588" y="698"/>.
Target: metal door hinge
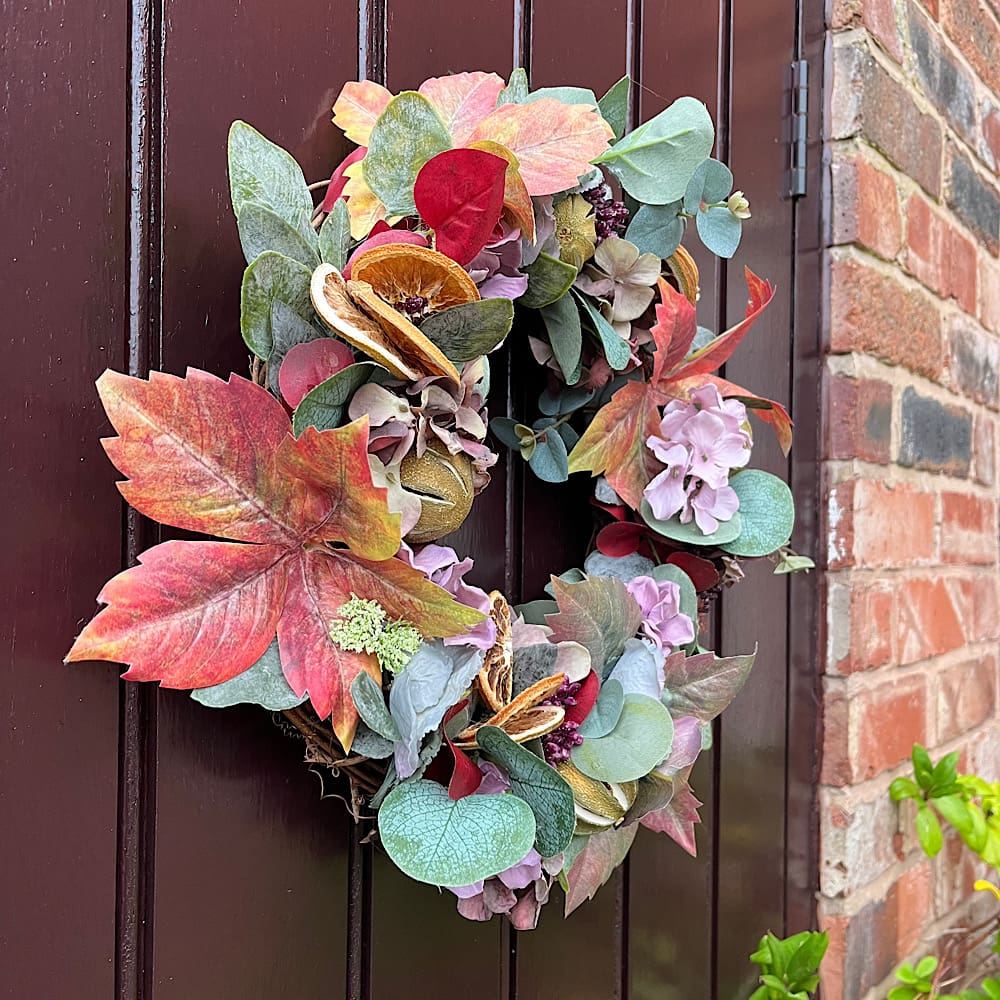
<point x="800" y="123"/>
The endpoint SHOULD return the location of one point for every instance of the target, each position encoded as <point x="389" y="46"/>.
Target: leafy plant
<point x="789" y="967"/>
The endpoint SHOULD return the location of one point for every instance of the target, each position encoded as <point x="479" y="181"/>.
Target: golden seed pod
<point x="598" y="805"/>
<point x="444" y="484"/>
<point x="682" y="266"/>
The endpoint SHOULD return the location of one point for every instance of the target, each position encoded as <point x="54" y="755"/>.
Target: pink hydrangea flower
<point x="662" y="619"/>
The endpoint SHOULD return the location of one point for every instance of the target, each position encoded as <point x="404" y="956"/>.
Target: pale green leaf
<point x="657" y="229"/>
<point x="335" y="236"/>
<point x="262" y="230"/>
<point x="323" y="406"/>
<point x="766" y="514"/>
<point x="562" y="323"/>
<point x="265" y="174"/>
<point x="549" y="279"/>
<point x="271" y="278"/>
<point x="640" y="740"/>
<point x="719" y="230"/>
<point x="287" y="330"/>
<point x="690" y="533"/>
<point x="468" y="331"/>
<point x="516" y="91"/>
<point x="607" y="710"/>
<point x="369" y="700"/>
<point x="262" y="684"/>
<point x="549" y="459"/>
<point x="614" y="106"/>
<point x="616" y="351"/>
<point x="711" y="183"/>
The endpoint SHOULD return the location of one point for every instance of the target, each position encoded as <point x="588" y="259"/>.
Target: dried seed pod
<point x="444" y="484"/>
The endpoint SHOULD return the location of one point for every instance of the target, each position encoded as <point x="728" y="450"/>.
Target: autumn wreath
<point x="500" y="747"/>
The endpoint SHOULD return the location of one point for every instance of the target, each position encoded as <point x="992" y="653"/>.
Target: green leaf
<point x="903" y="788"/>
<point x="262" y="230"/>
<point x="264" y="174"/>
<point x="516" y="91"/>
<point x="690" y="533"/>
<point x="640" y="740"/>
<point x="323" y="407"/>
<point x="614" y="106"/>
<point x="929" y="831"/>
<point x="503" y="430"/>
<point x="470" y="330"/>
<point x="927" y="966"/>
<point x="335" y="236"/>
<point x="407" y="134"/>
<point x="262" y="684"/>
<point x="288" y="328"/>
<point x="902" y="993"/>
<point x="719" y="230"/>
<point x="710" y="183"/>
<point x="369" y="744"/>
<point x="607" y="710"/>
<point x="957" y="812"/>
<point x="535" y="612"/>
<point x="369" y="700"/>
<point x="549" y="459"/>
<point x="616" y="351"/>
<point x="567" y="95"/>
<point x="655" y="161"/>
<point x="548" y="280"/>
<point x="657" y="229"/>
<point x="922" y="766"/>
<point x="271" y="278"/>
<point x="767" y="514"/>
<point x="443" y="842"/>
<point x="945" y="773"/>
<point x="544" y="789"/>
<point x="562" y="322"/>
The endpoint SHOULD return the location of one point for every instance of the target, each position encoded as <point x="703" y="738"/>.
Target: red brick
<point x="877" y="314"/>
<point x="866" y="207"/>
<point x="931" y="6"/>
<point x="984" y="450"/>
<point x="832" y="969"/>
<point x="872" y="627"/>
<point x="876" y="15"/>
<point x="889" y="721"/>
<point x="989" y="287"/>
<point x="968" y="529"/>
<point x="929" y="622"/>
<point x="978" y="601"/>
<point x="893" y="526"/>
<point x="966" y="697"/>
<point x="859" y="419"/>
<point x="925" y="239"/>
<point x="915" y="906"/>
<point x="976" y="31"/>
<point x="836" y="765"/>
<point x="959" y="270"/>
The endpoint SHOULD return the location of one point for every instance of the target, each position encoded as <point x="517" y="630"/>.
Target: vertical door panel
<point x="251" y="866"/>
<point x="64" y="205"/>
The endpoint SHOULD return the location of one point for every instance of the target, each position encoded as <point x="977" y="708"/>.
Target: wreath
<point x="497" y="748"/>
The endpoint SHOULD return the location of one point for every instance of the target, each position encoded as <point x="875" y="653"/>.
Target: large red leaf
<point x="674" y="330"/>
<point x="191" y="614"/>
<point x="615" y="441"/>
<point x="593" y="866"/>
<point x="462" y="100"/>
<point x="459" y="193"/>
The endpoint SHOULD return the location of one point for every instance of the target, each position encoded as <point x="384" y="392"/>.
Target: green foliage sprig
<point x="789" y="967"/>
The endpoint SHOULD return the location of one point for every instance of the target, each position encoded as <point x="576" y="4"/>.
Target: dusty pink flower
<point x="495" y="269"/>
<point x="708" y="506"/>
<point x="662" y="619"/>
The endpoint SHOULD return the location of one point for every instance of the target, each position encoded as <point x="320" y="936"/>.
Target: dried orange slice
<point x="524" y="718"/>
<point x="497" y="674"/>
<point x="399" y="272"/>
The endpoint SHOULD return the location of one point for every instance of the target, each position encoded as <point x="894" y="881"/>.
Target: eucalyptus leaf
<point x="437" y="840"/>
<point x="549" y="279"/>
<point x="470" y="330"/>
<point x="369" y="744"/>
<point x="565" y="400"/>
<point x="271" y="278"/>
<point x="607" y="710"/>
<point x="544" y="789"/>
<point x="263" y="173"/>
<point x="616" y="351"/>
<point x="614" y="106"/>
<point x="503" y="430"/>
<point x="719" y="230"/>
<point x="262" y="230"/>
<point x="516" y="91"/>
<point x="323" y="406"/>
<point x="335" y="236"/>
<point x="710" y="183"/>
<point x="562" y="323"/>
<point x="655" y="161"/>
<point x="624" y="568"/>
<point x="566" y="95"/>
<point x="262" y="684"/>
<point x="657" y="229"/>
<point x="407" y="134"/>
<point x="690" y="533"/>
<point x="535" y="612"/>
<point x="288" y="328"/>
<point x="369" y="700"/>
<point x="550" y="459"/>
<point x="640" y="740"/>
<point x="767" y="513"/>
<point x="569" y="436"/>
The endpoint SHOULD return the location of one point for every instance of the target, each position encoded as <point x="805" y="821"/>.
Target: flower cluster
<point x="362" y="626"/>
<point x="663" y="622"/>
<point x="558" y="745"/>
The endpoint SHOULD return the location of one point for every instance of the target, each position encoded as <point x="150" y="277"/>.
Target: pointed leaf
<point x="614" y="106"/>
<point x="548" y="280"/>
<point x="705" y="684"/>
<point x="335" y="235"/>
<point x="673" y="332"/>
<point x="601" y="854"/>
<point x="616" y="351"/>
<point x="271" y="278"/>
<point x="548" y="459"/>
<point x="466" y="332"/>
<point x="262" y="684"/>
<point x="358" y="108"/>
<point x="462" y="100"/>
<point x="366" y="693"/>
<point x="262" y="230"/>
<point x="678" y="818"/>
<point x="264" y="174"/>
<point x="323" y="406"/>
<point x="562" y="323"/>
<point x="516" y="91"/>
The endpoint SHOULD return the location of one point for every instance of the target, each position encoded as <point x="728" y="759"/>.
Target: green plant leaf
<point x="516" y="91"/>
<point x="562" y="323"/>
<point x="614" y="106"/>
<point x="548" y="280"/>
<point x="957" y="812"/>
<point x="262" y="230"/>
<point x="369" y="744"/>
<point x="655" y="161"/>
<point x="711" y="182"/>
<point x="640" y="740"/>
<point x="657" y="229"/>
<point x="929" y="831"/>
<point x="544" y="789"/>
<point x="262" y="173"/>
<point x="262" y="684"/>
<point x="335" y="236"/>
<point x="407" y="134"/>
<point x="323" y="406"/>
<point x="616" y="351"/>
<point x="607" y="710"/>
<point x="549" y="459"/>
<point x="719" y="230"/>
<point x="435" y="839"/>
<point x="288" y="328"/>
<point x="370" y="703"/>
<point x="926" y="967"/>
<point x="922" y="767"/>
<point x="903" y="788"/>
<point x="728" y="531"/>
<point x="470" y="330"/>
<point x="271" y="278"/>
<point x="767" y="514"/>
<point x="567" y="95"/>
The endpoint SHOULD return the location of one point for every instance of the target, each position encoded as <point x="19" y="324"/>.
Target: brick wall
<point x="910" y="453"/>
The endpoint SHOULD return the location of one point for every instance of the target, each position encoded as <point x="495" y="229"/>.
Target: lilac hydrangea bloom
<point x="495" y="268"/>
<point x="662" y="619"/>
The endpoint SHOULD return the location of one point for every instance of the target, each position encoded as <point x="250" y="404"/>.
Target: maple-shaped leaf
<point x="603" y="852"/>
<point x="674" y="330"/>
<point x="553" y="142"/>
<point x="357" y="109"/>
<point x="614" y="442"/>
<point x="218" y="457"/>
<point x="462" y="100"/>
<point x="678" y="818"/>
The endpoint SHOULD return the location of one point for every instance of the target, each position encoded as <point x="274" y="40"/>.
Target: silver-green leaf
<point x="272" y="277"/>
<point x="263" y="173"/>
<point x="262" y="684"/>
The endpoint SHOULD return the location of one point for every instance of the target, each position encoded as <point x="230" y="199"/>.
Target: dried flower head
<point x="361" y="627"/>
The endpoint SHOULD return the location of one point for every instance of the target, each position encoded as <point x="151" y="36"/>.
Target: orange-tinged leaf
<point x="357" y="109"/>
<point x="191" y="614"/>
<point x="674" y="330"/>
<point x="363" y="205"/>
<point x="553" y="142"/>
<point x="516" y="199"/>
<point x="462" y="100"/>
<point x="615" y="441"/>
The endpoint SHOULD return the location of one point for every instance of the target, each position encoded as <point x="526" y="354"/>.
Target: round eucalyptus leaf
<point x="262" y="684"/>
<point x="550" y="459"/>
<point x="640" y="740"/>
<point x="607" y="710"/>
<point x="719" y="230"/>
<point x="657" y="229"/>
<point x="711" y="182"/>
<point x="562" y="323"/>
<point x="690" y="532"/>
<point x="767" y="513"/>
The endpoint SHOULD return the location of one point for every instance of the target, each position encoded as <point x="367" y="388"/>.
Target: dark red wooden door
<point x="154" y="849"/>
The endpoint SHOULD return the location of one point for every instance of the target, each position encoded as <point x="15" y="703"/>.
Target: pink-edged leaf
<point x="200" y="454"/>
<point x="678" y="818"/>
<point x="704" y="685"/>
<point x="459" y="193"/>
<point x="553" y="142"/>
<point x="462" y="100"/>
<point x="381" y="237"/>
<point x="338" y="180"/>
<point x="586" y="698"/>
<point x="306" y="365"/>
<point x="358" y="107"/>
<point x="716" y="353"/>
<point x="594" y="865"/>
<point x="614" y="443"/>
<point x="621" y="538"/>
<point x="674" y="330"/>
<point x="465" y="776"/>
<point x="191" y="614"/>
